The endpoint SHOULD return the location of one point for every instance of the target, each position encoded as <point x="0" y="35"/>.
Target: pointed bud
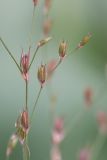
<point x="24" y="64"/>
<point x="47" y="24"/>
<point x="102" y="121"/>
<point x="62" y="49"/>
<point x="35" y="2"/>
<point x="84" y="40"/>
<point x="22" y="126"/>
<point x="25" y="120"/>
<point x="44" y="41"/>
<point x="85" y="154"/>
<point x="88" y="94"/>
<point x="47" y="6"/>
<point x="11" y="144"/>
<point x="42" y="74"/>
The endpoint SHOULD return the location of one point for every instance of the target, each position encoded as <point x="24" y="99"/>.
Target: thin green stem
<point x="36" y="102"/>
<point x="59" y="62"/>
<point x="31" y="32"/>
<point x="26" y="151"/>
<point x="26" y="95"/>
<point x="73" y="51"/>
<point x="3" y="43"/>
<point x="33" y="57"/>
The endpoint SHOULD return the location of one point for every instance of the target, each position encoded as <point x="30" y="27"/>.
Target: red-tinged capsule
<point x="62" y="49"/>
<point x="25" y="120"/>
<point x="47" y="6"/>
<point x="42" y="74"/>
<point x="88" y="94"/>
<point x="58" y="133"/>
<point x="35" y="2"/>
<point x="24" y="64"/>
<point x="85" y="154"/>
<point x="47" y="24"/>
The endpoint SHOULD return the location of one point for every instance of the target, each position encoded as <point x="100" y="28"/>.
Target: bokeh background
<point x="72" y="19"/>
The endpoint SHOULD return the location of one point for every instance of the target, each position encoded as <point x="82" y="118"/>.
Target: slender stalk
<point x="59" y="62"/>
<point x="33" y="57"/>
<point x="3" y="43"/>
<point x="73" y="51"/>
<point x="31" y="32"/>
<point x="36" y="102"/>
<point x="24" y="154"/>
<point x="26" y="95"/>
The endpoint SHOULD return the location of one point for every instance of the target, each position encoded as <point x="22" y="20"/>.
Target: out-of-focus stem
<point x="60" y="60"/>
<point x="36" y="102"/>
<point x="31" y="32"/>
<point x="3" y="43"/>
<point x="73" y="51"/>
<point x="33" y="57"/>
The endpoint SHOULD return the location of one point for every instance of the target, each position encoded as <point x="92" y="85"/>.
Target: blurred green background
<point x="72" y="19"/>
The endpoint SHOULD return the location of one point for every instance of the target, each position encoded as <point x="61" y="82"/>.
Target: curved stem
<point x="3" y="43"/>
<point x="59" y="62"/>
<point x="36" y="102"/>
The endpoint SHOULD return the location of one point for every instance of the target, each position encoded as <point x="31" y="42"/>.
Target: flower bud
<point x="58" y="132"/>
<point x="47" y="6"/>
<point x="62" y="49"/>
<point x="84" y="40"/>
<point x="35" y="2"/>
<point x="44" y="41"/>
<point x="88" y="94"/>
<point x="24" y="64"/>
<point x="47" y="24"/>
<point x="42" y="74"/>
<point x="85" y="154"/>
<point x="25" y="120"/>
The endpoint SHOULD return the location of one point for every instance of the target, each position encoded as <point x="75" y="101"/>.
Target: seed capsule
<point x="25" y="120"/>
<point x="24" y="64"/>
<point x="62" y="49"/>
<point x="84" y="40"/>
<point x="35" y="2"/>
<point x="44" y="41"/>
<point x="42" y="74"/>
<point x="47" y="24"/>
